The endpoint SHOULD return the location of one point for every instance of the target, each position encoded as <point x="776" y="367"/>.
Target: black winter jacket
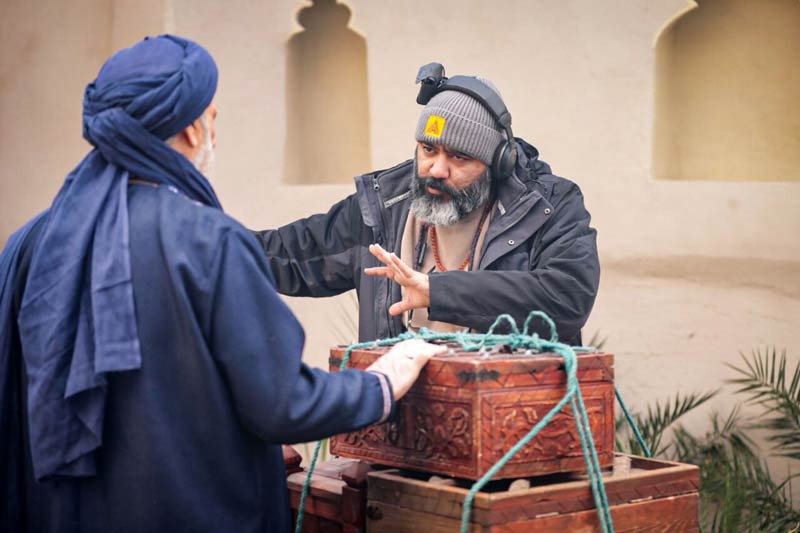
<point x="540" y="253"/>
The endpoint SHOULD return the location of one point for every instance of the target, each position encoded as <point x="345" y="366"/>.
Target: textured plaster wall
<point x="49" y="51"/>
<point x="694" y="271"/>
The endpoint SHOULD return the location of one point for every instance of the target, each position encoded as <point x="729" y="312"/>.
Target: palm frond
<point x="763" y="378"/>
<point x="725" y="437"/>
<point x="738" y="492"/>
<point x="659" y="418"/>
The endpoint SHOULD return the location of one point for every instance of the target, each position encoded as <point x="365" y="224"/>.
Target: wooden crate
<point x="337" y="497"/>
<point x="654" y="496"/>
<point x="466" y="411"/>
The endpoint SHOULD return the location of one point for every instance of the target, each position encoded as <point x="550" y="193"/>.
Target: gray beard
<point x="437" y="211"/>
<point x="206" y="161"/>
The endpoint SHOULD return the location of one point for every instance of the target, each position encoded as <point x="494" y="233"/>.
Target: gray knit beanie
<point x="460" y="122"/>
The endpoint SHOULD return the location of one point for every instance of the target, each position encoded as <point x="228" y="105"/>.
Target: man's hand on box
<point x="402" y="364"/>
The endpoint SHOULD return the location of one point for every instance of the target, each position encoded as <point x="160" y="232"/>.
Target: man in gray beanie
<point x="474" y="226"/>
<point x="460" y="123"/>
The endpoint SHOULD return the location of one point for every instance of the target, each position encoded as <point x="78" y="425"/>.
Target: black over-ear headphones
<point x="433" y="81"/>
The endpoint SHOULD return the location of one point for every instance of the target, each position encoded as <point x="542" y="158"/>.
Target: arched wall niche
<point x="727" y="92"/>
<point x="327" y="104"/>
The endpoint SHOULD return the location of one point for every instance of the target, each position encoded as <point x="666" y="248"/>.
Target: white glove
<point x="402" y="364"/>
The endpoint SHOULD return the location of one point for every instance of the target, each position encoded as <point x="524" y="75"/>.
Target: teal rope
<point x="592" y="465"/>
<point x="473" y="342"/>
<point x="581" y="422"/>
<point x="632" y="424"/>
<point x="306" y="486"/>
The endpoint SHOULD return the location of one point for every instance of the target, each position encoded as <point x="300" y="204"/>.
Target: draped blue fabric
<point x="12" y="445"/>
<point x="77" y="319"/>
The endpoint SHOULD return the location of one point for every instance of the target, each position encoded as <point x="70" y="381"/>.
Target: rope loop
<point x="546" y="319"/>
<point x="512" y="324"/>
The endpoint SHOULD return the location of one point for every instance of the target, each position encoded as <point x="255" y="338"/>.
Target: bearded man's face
<point x="447" y="185"/>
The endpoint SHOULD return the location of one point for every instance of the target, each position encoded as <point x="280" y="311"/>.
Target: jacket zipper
<point x="389" y="319"/>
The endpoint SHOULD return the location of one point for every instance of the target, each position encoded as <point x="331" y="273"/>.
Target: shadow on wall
<point x="327" y="137"/>
<point x="727" y="83"/>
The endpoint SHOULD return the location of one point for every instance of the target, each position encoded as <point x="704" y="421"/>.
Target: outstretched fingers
<point x="382" y="255"/>
<point x="400" y="307"/>
<point x="395" y="268"/>
<point x="403" y="268"/>
<point x="379" y="271"/>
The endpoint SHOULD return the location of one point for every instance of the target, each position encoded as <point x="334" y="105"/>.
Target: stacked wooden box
<point x="651" y="495"/>
<point x="464" y="413"/>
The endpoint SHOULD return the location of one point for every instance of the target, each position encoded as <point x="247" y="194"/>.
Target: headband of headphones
<point x="432" y="81"/>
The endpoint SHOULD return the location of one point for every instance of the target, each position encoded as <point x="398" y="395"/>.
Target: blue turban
<point x="77" y="320"/>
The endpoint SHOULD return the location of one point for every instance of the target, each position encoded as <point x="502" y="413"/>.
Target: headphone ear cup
<point x="505" y="157"/>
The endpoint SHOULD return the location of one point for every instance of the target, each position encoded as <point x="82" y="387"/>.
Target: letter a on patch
<point x="435" y="126"/>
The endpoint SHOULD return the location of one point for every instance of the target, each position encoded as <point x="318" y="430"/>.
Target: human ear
<point x="193" y="133"/>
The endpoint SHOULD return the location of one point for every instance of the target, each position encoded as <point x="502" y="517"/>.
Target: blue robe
<point x="191" y="439"/>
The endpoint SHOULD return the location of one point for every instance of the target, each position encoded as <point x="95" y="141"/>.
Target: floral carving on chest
<point x="442" y="431"/>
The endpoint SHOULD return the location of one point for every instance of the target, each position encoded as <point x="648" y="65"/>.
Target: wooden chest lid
<point x="497" y="368"/>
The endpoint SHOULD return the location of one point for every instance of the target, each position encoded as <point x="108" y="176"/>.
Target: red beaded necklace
<point x="435" y="242"/>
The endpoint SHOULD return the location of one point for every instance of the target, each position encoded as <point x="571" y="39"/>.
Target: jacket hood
<point x="528" y="157"/>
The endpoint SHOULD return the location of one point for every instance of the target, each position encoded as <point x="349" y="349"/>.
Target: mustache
<point x="423" y="182"/>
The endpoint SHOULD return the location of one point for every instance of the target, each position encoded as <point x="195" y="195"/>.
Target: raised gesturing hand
<point x="417" y="292"/>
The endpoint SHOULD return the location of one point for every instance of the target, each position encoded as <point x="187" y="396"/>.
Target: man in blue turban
<point x="148" y="370"/>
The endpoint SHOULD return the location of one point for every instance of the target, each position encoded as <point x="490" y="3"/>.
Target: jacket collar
<point x="517" y="201"/>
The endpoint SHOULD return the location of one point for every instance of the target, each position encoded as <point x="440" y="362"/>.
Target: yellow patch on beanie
<point x="435" y="126"/>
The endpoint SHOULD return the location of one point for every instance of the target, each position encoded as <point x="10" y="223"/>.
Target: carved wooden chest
<point x="650" y="495"/>
<point x="467" y="410"/>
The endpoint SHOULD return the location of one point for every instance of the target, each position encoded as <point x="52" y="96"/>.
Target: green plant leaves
<point x="763" y="379"/>
<point x="738" y="493"/>
<point x="660" y="417"/>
